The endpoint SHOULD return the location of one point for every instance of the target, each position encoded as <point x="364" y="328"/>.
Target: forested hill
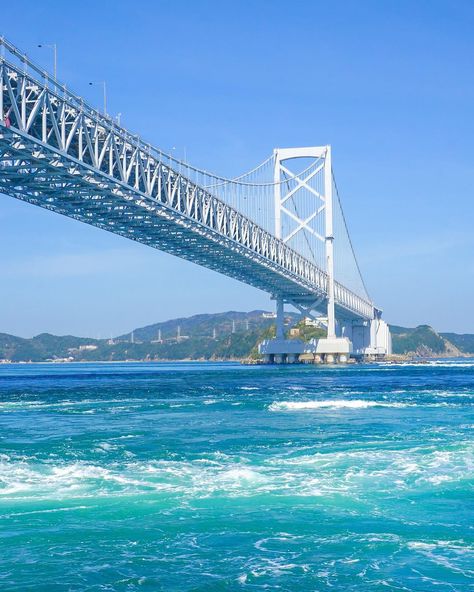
<point x="425" y="341"/>
<point x="228" y="335"/>
<point x="206" y="325"/>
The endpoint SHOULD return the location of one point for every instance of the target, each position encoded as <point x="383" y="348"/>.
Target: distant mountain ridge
<point x="219" y="336"/>
<point x="202" y="325"/>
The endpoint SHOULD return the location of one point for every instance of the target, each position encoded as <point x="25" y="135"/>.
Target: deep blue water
<point x="208" y="477"/>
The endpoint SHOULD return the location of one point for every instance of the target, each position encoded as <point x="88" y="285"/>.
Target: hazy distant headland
<point x="222" y="336"/>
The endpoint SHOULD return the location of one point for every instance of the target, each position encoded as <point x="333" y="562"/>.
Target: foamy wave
<point x="201" y="478"/>
<point x="302" y="472"/>
<point x="330" y="404"/>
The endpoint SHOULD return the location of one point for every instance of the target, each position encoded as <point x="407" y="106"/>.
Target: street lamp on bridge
<point x="104" y="88"/>
<point x="54" y="47"/>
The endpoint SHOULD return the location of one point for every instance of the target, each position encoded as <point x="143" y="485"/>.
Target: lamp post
<point x="104" y="88"/>
<point x="54" y="47"/>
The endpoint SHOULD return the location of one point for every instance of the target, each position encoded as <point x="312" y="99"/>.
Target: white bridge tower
<point x="304" y="220"/>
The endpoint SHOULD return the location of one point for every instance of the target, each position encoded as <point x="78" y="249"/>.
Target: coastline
<point x="392" y="359"/>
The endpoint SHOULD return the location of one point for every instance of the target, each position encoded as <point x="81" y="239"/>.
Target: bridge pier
<point x="362" y="340"/>
<point x="280" y="319"/>
<point x="332" y="350"/>
<point x="370" y="339"/>
<point x="281" y="350"/>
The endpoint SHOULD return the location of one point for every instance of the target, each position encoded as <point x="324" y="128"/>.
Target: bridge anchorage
<point x="279" y="227"/>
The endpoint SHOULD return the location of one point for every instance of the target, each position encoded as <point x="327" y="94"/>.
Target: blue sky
<point x="389" y="84"/>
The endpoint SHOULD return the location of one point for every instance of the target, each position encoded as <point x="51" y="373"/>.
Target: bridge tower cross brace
<point x="323" y="204"/>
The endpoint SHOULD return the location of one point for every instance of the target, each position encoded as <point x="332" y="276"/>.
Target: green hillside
<point x="205" y="325"/>
<point x="40" y="348"/>
<point x="221" y="336"/>
<point x="464" y="342"/>
<point x="422" y="340"/>
<point x="231" y="335"/>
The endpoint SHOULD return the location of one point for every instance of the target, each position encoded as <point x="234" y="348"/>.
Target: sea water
<point x="190" y="477"/>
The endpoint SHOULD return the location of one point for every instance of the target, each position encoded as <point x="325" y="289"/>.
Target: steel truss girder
<point x="59" y="155"/>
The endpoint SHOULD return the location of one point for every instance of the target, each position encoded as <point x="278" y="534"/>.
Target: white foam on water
<point x="241" y="477"/>
<point x="354" y="474"/>
<point x="456" y="556"/>
<point x="353" y="404"/>
<point x="265" y="544"/>
<point x="332" y="404"/>
<point x="126" y="437"/>
<point x="67" y="404"/>
<point x="201" y="478"/>
<point x="105" y="447"/>
<point x="49" y="511"/>
<point x="469" y="363"/>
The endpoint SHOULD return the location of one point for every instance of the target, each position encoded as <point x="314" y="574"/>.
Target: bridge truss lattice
<point x="58" y="152"/>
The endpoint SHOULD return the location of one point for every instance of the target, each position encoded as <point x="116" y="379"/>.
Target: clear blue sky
<point x="389" y="84"/>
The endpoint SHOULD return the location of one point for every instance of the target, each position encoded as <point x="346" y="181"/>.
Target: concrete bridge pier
<point x="363" y="340"/>
<point x="332" y="350"/>
<point x="280" y="350"/>
<point x="370" y="339"/>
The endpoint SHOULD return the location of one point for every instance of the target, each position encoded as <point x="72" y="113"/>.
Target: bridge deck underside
<point x="59" y="153"/>
<point x="35" y="173"/>
<point x="45" y="181"/>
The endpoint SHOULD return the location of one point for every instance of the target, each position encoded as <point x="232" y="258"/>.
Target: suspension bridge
<point x="279" y="227"/>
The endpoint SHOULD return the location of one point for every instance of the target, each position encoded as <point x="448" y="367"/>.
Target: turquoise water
<point x="190" y="477"/>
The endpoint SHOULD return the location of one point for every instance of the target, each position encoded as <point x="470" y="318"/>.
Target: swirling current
<point x="209" y="477"/>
